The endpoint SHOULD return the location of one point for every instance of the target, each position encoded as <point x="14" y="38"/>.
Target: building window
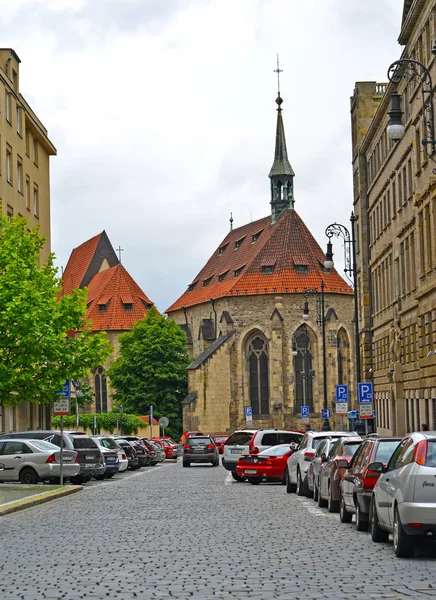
<point x="35" y="202"/>
<point x="27" y="192"/>
<point x="20" y="176"/>
<point x="103" y="307"/>
<point x="192" y="285"/>
<point x="100" y="386"/>
<point x="268" y="269"/>
<point x="8" y="109"/>
<point x="303" y="370"/>
<point x="238" y="243"/>
<point x="35" y="151"/>
<point x="237" y="272"/>
<point x="222" y="276"/>
<point x="256" y="236"/>
<point x="27" y="142"/>
<point x="128" y="306"/>
<point x="9" y="212"/>
<point x="222" y="249"/>
<point x="9" y="165"/>
<point x="258" y="375"/>
<point x="207" y="281"/>
<point x="18" y="117"/>
<point x="301" y="268"/>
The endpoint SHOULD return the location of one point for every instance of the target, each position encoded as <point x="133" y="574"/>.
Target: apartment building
<point x="395" y="206"/>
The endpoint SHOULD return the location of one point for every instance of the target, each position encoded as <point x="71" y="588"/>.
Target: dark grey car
<point x="200" y="449"/>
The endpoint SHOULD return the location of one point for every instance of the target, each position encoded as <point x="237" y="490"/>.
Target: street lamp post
<point x="409" y="70"/>
<point x="121" y="419"/>
<point x="321" y="323"/>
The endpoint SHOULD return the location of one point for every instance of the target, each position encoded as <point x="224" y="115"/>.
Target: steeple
<point x="281" y="174"/>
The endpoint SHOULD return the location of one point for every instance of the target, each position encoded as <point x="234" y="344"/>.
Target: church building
<point x="243" y="316"/>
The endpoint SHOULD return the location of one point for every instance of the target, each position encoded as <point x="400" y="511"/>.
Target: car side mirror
<point x="377" y="467"/>
<point x="343" y="463"/>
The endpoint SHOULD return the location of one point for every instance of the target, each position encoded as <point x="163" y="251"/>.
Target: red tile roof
<point x="146" y="420"/>
<point x="284" y="244"/>
<point x="78" y="264"/>
<point x="111" y="288"/>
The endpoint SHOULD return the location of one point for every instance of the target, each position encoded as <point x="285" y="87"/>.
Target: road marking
<point x="229" y="479"/>
<point x="313" y="509"/>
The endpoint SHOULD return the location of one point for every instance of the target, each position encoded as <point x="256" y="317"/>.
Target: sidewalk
<point x="17" y="497"/>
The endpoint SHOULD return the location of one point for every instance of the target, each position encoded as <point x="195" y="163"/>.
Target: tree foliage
<point x="151" y="369"/>
<point x="110" y="422"/>
<point x="36" y="353"/>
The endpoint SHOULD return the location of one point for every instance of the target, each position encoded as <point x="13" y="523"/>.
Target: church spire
<point x="281" y="174"/>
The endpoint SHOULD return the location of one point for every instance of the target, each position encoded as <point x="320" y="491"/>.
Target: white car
<point x="298" y="462"/>
<point x="30" y="461"/>
<point x="236" y="445"/>
<point x="404" y="498"/>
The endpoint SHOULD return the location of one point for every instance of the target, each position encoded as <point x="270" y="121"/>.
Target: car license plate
<point x="89" y="457"/>
<point x="110" y="459"/>
<point x="250" y="471"/>
<point x="237" y="451"/>
<point x="195" y="450"/>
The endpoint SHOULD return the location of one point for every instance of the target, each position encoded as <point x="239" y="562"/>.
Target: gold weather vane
<point x="278" y="71"/>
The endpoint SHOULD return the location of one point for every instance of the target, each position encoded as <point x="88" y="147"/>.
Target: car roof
<point x="329" y="433"/>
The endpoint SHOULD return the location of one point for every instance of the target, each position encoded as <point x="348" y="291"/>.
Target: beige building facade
<point x="25" y="151"/>
<point x="395" y="207"/>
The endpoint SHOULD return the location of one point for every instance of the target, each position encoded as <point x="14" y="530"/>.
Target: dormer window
<point x="102" y="307"/>
<point x="222" y="276"/>
<point x="103" y="303"/>
<point x="301" y="268"/>
<point x="268" y="269"/>
<point x="207" y="281"/>
<point x="192" y="285"/>
<point x="222" y="249"/>
<point x="128" y="306"/>
<point x="256" y="236"/>
<point x="237" y="272"/>
<point x="238" y="243"/>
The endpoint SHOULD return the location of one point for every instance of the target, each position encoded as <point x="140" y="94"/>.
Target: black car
<point x="151" y="451"/>
<point x="90" y="458"/>
<point x="141" y="450"/>
<point x="200" y="449"/>
<point x="130" y="452"/>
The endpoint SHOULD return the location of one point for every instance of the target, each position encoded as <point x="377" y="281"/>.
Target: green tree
<point x="84" y="394"/>
<point x="38" y="351"/>
<point x="151" y="369"/>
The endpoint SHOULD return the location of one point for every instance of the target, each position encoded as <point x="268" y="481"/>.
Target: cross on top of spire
<point x="278" y="70"/>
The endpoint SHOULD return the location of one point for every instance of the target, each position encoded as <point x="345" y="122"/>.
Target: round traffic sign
<point x="163" y="422"/>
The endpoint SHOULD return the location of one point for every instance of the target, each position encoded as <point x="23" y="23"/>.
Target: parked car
<point x="160" y="452"/>
<point x="130" y="451"/>
<point x="329" y="493"/>
<point x="186" y="434"/>
<point x="268" y="465"/>
<point x="144" y="459"/>
<point x="151" y="451"/>
<point x="403" y="500"/>
<point x="169" y="450"/>
<point x="315" y="466"/>
<point x="110" y="451"/>
<point x="220" y="440"/>
<point x="30" y="461"/>
<point x="200" y="449"/>
<point x="236" y="445"/>
<point x="358" y="481"/>
<point x="266" y="438"/>
<point x="298" y="462"/>
<point x="90" y="458"/>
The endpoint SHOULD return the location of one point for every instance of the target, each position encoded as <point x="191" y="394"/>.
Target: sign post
<point x="366" y="405"/>
<point x="61" y="408"/>
<point x="305" y="414"/>
<point x="342" y="402"/>
<point x="151" y="421"/>
<point x="249" y="415"/>
<point x="163" y="422"/>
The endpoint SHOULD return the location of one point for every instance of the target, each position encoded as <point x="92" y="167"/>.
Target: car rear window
<point x="220" y="438"/>
<point x="316" y="441"/>
<point x="431" y="454"/>
<point x="198" y="441"/>
<point x="288" y="438"/>
<point x="45" y="446"/>
<point x="239" y="438"/>
<point x="270" y="439"/>
<point x="350" y="449"/>
<point x="83" y="441"/>
<point x="385" y="450"/>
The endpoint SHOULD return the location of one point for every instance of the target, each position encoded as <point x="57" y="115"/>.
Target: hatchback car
<point x="359" y="481"/>
<point x="268" y="465"/>
<point x="30" y="461"/>
<point x="111" y="452"/>
<point x="236" y="445"/>
<point x="315" y="466"/>
<point x="130" y="452"/>
<point x="298" y="462"/>
<point x="403" y="500"/>
<point x="329" y="493"/>
<point x="200" y="449"/>
<point x="141" y="451"/>
<point x="266" y="438"/>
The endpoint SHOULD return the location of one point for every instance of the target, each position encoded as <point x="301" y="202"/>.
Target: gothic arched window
<point x="258" y="375"/>
<point x="303" y="370"/>
<point x="100" y="386"/>
<point x="343" y="349"/>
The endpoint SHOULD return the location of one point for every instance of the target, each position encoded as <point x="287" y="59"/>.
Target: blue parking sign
<point x="325" y="413"/>
<point x="304" y="411"/>
<point x="342" y="393"/>
<point x="65" y="390"/>
<point x="248" y="411"/>
<point x="365" y="393"/>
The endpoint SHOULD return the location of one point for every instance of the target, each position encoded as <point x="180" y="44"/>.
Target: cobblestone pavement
<point x="170" y="532"/>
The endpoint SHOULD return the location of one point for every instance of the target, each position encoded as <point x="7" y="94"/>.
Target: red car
<point x="220" y="440"/>
<point x="186" y="434"/>
<point x="170" y="451"/>
<point x="268" y="465"/>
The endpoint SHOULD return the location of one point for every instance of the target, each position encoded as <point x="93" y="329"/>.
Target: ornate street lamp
<point x="320" y="321"/>
<point x="408" y="69"/>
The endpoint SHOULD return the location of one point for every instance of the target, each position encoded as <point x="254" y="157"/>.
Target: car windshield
<point x="83" y="441"/>
<point x="276" y="450"/>
<point x="45" y="446"/>
<point x="350" y="449"/>
<point x="385" y="450"/>
<point x="109" y="443"/>
<point x="240" y="438"/>
<point x="220" y="438"/>
<point x="194" y="441"/>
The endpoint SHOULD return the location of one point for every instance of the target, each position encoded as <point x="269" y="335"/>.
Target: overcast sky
<point x="163" y="115"/>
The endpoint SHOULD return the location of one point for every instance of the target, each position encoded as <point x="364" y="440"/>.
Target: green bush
<point x="104" y="421"/>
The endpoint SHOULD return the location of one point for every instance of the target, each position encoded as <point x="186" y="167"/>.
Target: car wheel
<point x="290" y="487"/>
<point x="99" y="477"/>
<point x="237" y="477"/>
<point x="377" y="533"/>
<point x="186" y="463"/>
<point x="254" y="481"/>
<point x="315" y="491"/>
<point x="110" y="475"/>
<point x="332" y="505"/>
<point x="28" y="476"/>
<point x="361" y="523"/>
<point x="344" y="515"/>
<point x="321" y="502"/>
<point x="300" y="486"/>
<point x="404" y="544"/>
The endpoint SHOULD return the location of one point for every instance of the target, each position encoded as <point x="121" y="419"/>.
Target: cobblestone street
<point x="170" y="532"/>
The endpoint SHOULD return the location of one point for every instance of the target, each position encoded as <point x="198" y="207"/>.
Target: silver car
<point x="30" y="461"/>
<point x="404" y="498"/>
